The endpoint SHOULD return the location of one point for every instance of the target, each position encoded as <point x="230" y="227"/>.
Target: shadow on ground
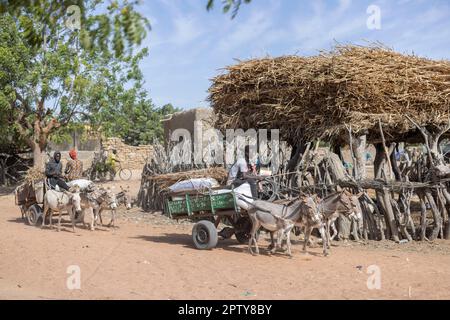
<point x="232" y="244"/>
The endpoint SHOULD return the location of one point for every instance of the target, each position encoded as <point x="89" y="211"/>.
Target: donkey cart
<point x="30" y="198"/>
<point x="208" y="210"/>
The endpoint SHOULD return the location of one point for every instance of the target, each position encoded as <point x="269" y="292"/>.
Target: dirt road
<point x="150" y="257"/>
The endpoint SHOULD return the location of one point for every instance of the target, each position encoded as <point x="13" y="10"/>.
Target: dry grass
<point x="34" y="174"/>
<point x="316" y="97"/>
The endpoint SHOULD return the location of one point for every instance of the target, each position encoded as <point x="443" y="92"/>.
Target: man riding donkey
<point x="67" y="200"/>
<point x="53" y="172"/>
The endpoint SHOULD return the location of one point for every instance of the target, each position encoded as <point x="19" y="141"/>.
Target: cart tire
<point x="243" y="227"/>
<point x="34" y="215"/>
<point x="242" y="237"/>
<point x="204" y="235"/>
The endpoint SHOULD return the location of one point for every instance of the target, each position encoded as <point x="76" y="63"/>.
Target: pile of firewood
<point x="13" y="169"/>
<point x="160" y="173"/>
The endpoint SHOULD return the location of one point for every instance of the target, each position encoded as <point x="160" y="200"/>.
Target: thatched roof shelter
<point x="320" y="96"/>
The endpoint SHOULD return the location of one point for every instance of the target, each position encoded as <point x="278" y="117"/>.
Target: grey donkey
<point x="336" y="204"/>
<point x="280" y="219"/>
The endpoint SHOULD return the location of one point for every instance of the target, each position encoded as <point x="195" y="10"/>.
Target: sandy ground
<point x="151" y="257"/>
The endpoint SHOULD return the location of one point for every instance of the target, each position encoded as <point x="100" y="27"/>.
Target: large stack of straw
<point x="323" y="95"/>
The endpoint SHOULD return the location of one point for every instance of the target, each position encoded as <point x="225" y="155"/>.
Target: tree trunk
<point x="395" y="168"/>
<point x="384" y="197"/>
<point x="359" y="150"/>
<point x="38" y="156"/>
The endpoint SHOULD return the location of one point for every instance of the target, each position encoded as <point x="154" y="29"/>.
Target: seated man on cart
<point x="242" y="171"/>
<point x="53" y="171"/>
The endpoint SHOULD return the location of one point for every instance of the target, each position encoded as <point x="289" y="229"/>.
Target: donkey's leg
<point x="92" y="216"/>
<point x="59" y="219"/>
<point x="254" y="237"/>
<point x="44" y="214"/>
<point x="288" y="240"/>
<point x="333" y="226"/>
<point x="308" y="230"/>
<point x="72" y="216"/>
<point x="99" y="216"/>
<point x="51" y="219"/>
<point x="355" y="229"/>
<point x="280" y="238"/>
<point x="271" y="247"/>
<point x="272" y="243"/>
<point x="111" y="223"/>
<point x="324" y="240"/>
<point x="328" y="233"/>
<point x="255" y="227"/>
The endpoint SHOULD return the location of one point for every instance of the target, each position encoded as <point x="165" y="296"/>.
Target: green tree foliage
<point x="136" y="124"/>
<point x="227" y="5"/>
<point x="117" y="27"/>
<point x="51" y="75"/>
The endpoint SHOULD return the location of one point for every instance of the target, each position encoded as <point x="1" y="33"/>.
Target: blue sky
<point x="188" y="45"/>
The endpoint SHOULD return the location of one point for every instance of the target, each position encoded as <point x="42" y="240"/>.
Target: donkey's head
<point x="110" y="198"/>
<point x="124" y="196"/>
<point x="75" y="198"/>
<point x="352" y="204"/>
<point x="311" y="210"/>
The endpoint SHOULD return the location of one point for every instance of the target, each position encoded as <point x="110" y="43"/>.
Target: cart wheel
<point x="204" y="235"/>
<point x="269" y="190"/>
<point x="242" y="237"/>
<point x="34" y="215"/>
<point x="243" y="227"/>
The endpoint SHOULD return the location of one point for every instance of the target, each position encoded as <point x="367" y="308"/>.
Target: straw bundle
<point x="34" y="174"/>
<point x="316" y="97"/>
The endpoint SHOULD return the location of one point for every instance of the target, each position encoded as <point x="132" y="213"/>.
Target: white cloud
<point x="247" y="32"/>
<point x="186" y="29"/>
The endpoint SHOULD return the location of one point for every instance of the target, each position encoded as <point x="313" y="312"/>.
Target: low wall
<point x="132" y="157"/>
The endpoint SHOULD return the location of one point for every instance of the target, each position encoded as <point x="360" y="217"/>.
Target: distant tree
<point x="227" y="5"/>
<point x="135" y="122"/>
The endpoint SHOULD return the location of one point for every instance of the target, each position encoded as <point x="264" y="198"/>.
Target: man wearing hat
<point x="74" y="167"/>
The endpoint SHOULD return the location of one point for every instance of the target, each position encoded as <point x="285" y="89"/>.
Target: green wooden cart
<point x="208" y="210"/>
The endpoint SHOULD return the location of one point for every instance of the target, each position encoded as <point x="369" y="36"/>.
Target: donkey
<point x="62" y="201"/>
<point x="124" y="197"/>
<point x="282" y="218"/>
<point x="106" y="201"/>
<point x="97" y="200"/>
<point x="335" y="204"/>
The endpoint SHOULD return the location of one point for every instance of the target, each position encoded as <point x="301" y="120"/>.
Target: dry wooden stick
<point x="386" y="151"/>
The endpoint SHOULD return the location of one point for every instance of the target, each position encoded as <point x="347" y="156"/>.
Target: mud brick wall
<point x="132" y="157"/>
